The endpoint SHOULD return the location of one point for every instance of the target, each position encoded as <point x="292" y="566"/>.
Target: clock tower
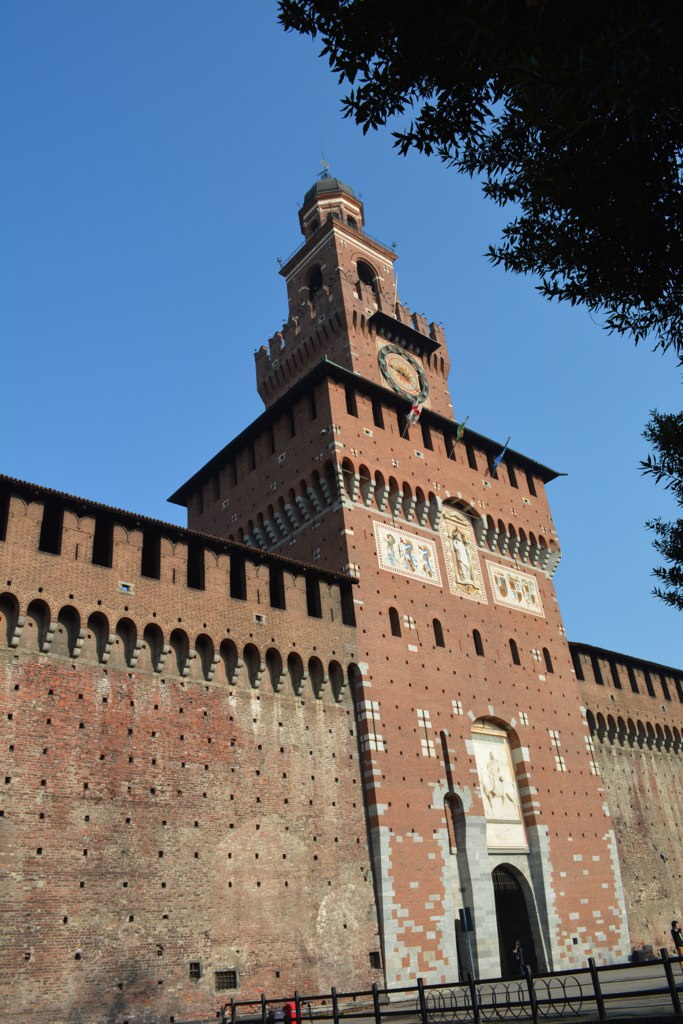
<point x="486" y="820"/>
<point x="342" y="298"/>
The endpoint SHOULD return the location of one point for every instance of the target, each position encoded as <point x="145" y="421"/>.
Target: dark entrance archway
<point x="512" y="916"/>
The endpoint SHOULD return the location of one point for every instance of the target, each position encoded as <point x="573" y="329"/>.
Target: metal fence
<point x="647" y="988"/>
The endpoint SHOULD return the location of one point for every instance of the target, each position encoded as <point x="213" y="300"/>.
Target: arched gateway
<point x="512" y="918"/>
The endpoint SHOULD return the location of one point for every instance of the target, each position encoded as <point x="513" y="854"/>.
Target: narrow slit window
<point x="195" y="566"/>
<point x="238" y="578"/>
<point x="578" y="667"/>
<point x="103" y="540"/>
<point x="150" y="562"/>
<point x="632" y="679"/>
<point x="51" y="529"/>
<point x="277" y="587"/>
<point x="4" y="515"/>
<point x="313" y="604"/>
<point x="347" y="606"/>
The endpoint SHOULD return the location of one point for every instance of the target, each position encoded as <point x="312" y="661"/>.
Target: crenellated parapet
<point x="628" y="693"/>
<point x="74" y="571"/>
<point x="418" y="322"/>
<point x="297" y="346"/>
<point x="86" y="636"/>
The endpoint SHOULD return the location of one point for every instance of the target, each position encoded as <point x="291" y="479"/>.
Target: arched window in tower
<point x="394" y="622"/>
<point x="478" y="644"/>
<point x="314" y="282"/>
<point x="367" y="277"/>
<point x="438" y="633"/>
<point x="548" y="660"/>
<point x="514" y="651"/>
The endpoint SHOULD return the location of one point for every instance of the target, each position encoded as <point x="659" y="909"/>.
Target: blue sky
<point x="155" y="156"/>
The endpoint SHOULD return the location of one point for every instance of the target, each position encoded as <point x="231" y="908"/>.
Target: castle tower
<point x="486" y="817"/>
<point x="342" y="298"/>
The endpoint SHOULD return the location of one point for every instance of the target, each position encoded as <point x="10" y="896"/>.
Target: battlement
<point x="615" y="672"/>
<point x="419" y="323"/>
<point x="301" y="342"/>
<point x="75" y="564"/>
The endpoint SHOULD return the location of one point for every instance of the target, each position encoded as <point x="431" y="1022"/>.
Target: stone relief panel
<point x="407" y="554"/>
<point x="502" y="808"/>
<point x="515" y="589"/>
<point x="461" y="556"/>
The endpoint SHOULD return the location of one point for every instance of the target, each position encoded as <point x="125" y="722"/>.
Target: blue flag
<point x="499" y="458"/>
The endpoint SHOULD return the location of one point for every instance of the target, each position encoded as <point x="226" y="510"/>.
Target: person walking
<point x="677" y="936"/>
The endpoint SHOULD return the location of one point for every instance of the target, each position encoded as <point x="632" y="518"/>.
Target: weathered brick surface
<point x="637" y="740"/>
<point x="150" y="819"/>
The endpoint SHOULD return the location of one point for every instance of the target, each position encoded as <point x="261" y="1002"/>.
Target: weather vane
<point x="325" y="173"/>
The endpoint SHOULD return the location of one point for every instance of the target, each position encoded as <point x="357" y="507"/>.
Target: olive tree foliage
<point x="570" y="110"/>
<point x="664" y="431"/>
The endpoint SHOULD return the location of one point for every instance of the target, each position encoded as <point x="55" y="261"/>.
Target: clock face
<point x="403" y="373"/>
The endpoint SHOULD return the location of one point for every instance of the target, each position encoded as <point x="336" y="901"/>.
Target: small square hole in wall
<point x="375" y="960"/>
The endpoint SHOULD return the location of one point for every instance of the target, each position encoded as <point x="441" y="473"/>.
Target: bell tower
<point x="343" y="305"/>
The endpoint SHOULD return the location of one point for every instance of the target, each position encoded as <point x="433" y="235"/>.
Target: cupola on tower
<point x="343" y="305"/>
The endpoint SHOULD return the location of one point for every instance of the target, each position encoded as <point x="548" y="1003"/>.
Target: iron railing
<point x="594" y="992"/>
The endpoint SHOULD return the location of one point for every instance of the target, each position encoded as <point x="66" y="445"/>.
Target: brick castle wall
<point x="210" y="812"/>
<point x="636" y="722"/>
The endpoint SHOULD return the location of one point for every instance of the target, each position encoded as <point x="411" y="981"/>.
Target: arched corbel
<point x="211" y="671"/>
<point x="108" y="644"/>
<point x="78" y="645"/>
<point x="49" y="637"/>
<point x="17" y="631"/>
<point x="139" y="644"/>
